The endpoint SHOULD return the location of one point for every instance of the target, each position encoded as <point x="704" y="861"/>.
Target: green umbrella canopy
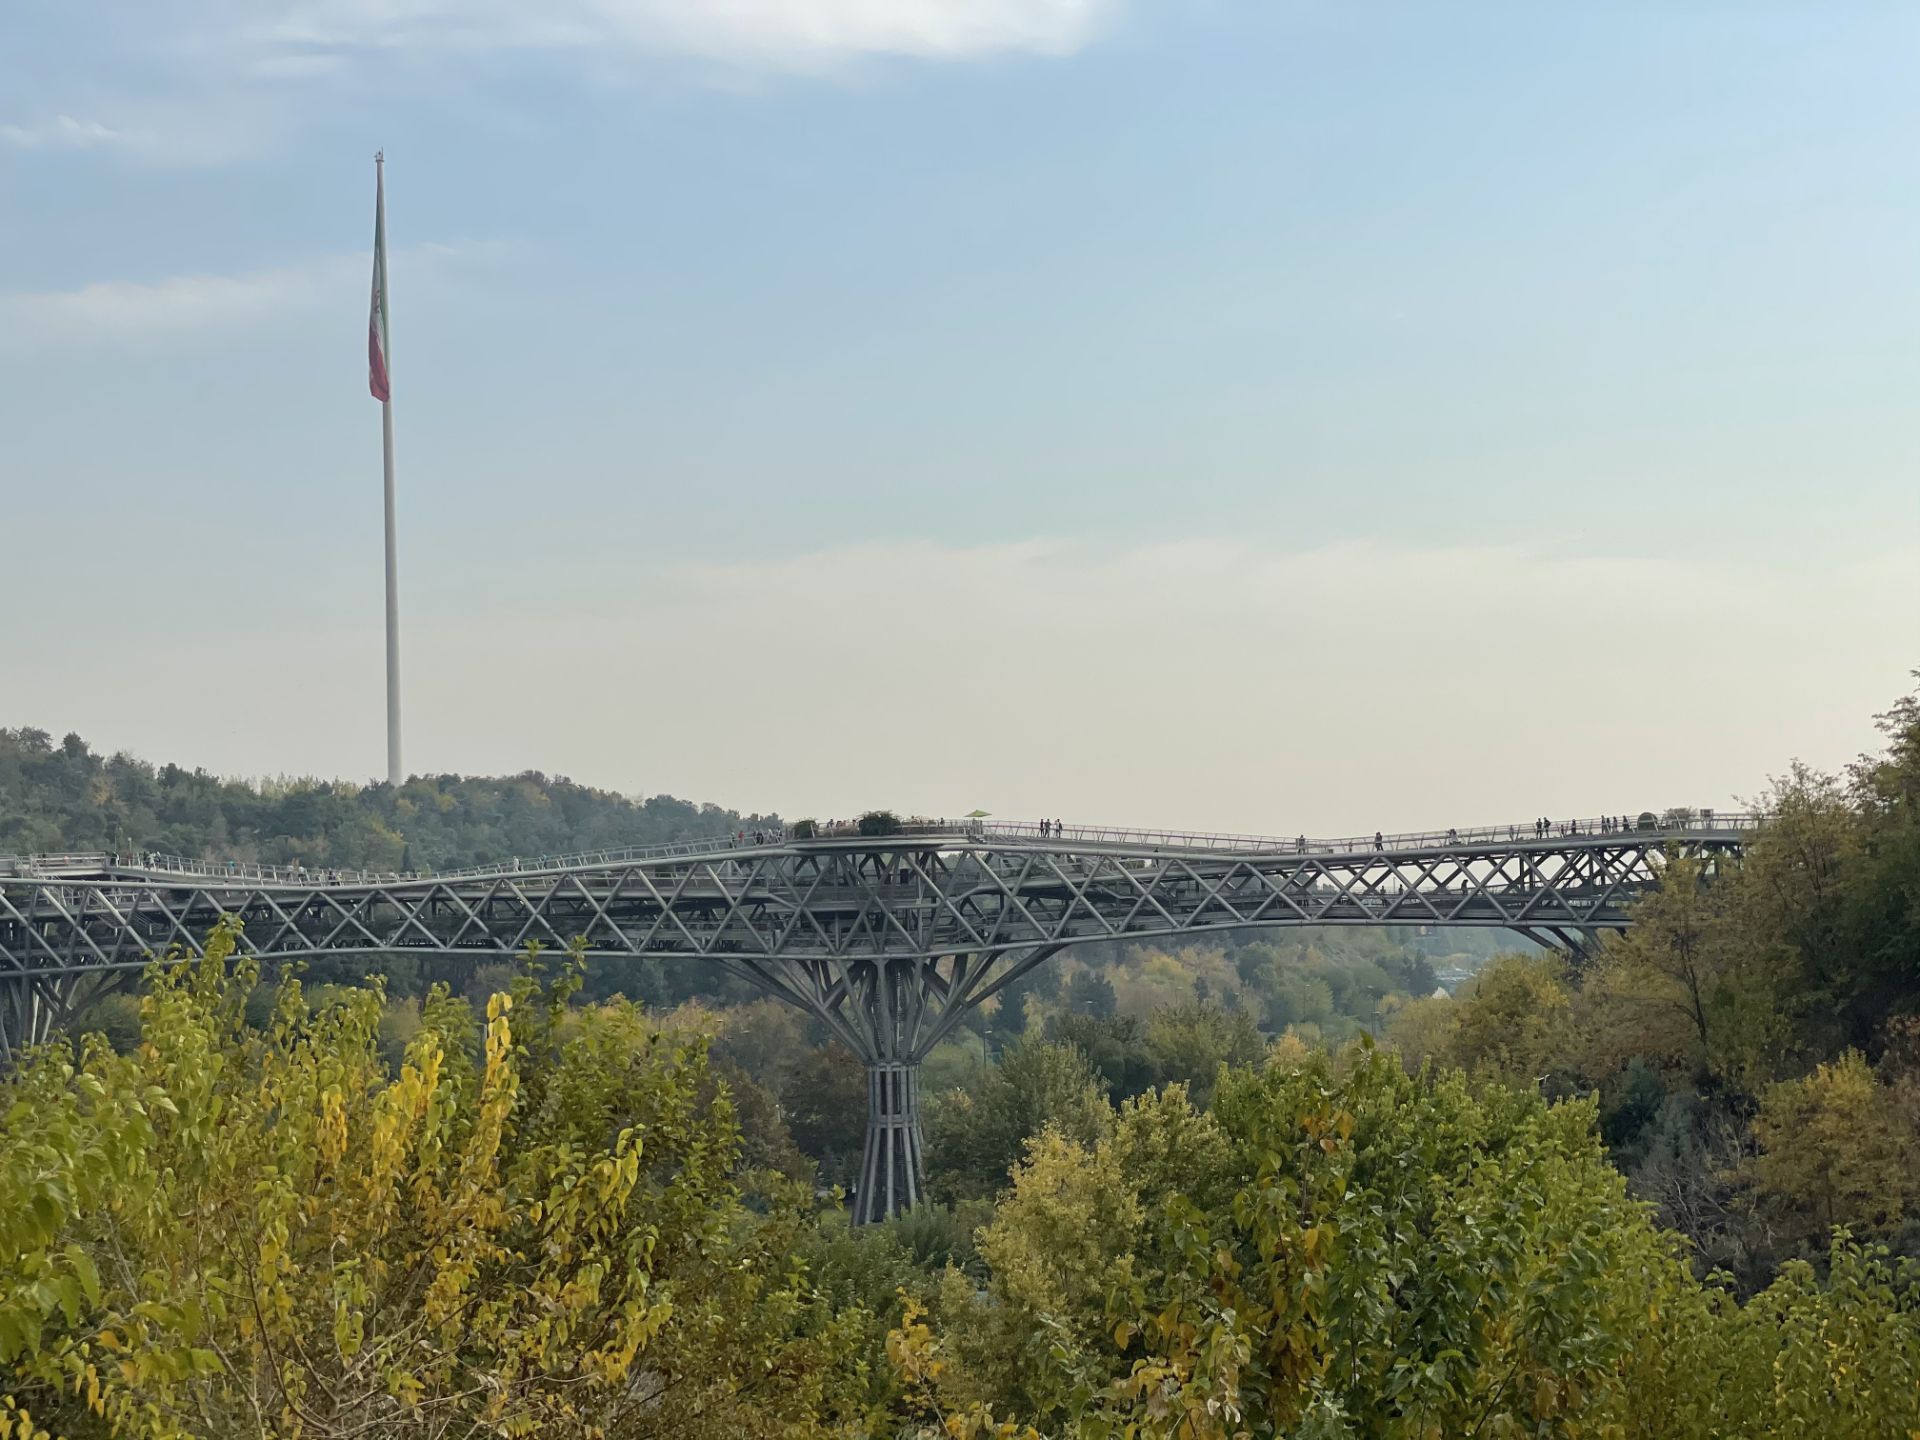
<point x="978" y="814"/>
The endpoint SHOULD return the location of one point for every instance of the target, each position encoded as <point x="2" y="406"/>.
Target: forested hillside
<point x="66" y="797"/>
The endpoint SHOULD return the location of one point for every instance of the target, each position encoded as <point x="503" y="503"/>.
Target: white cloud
<point x="179" y="302"/>
<point x="190" y="304"/>
<point x="63" y="132"/>
<point x="824" y="30"/>
<point x="779" y="33"/>
<point x="217" y="80"/>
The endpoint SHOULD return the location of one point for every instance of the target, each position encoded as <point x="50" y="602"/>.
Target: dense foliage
<point x="541" y="1221"/>
<point x="269" y="1231"/>
<point x="1755" y="1039"/>
<point x="63" y="796"/>
<point x="1340" y="1249"/>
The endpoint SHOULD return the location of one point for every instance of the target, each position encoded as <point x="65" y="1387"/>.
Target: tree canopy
<point x="64" y="796"/>
<point x="540" y="1229"/>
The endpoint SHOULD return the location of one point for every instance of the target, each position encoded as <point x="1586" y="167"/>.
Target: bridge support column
<point x="891" y="1012"/>
<point x="892" y="1174"/>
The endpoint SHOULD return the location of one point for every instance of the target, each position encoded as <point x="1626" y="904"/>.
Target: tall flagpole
<point x="394" y="772"/>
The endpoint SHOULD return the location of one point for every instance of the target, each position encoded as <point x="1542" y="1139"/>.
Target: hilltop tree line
<point x="67" y="797"/>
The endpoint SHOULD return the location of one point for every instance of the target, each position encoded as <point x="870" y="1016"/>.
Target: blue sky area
<point x="1256" y="415"/>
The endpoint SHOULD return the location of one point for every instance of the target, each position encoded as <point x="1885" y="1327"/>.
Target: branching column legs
<point x="891" y="1169"/>
<point x="891" y="1013"/>
<point x="32" y="1007"/>
<point x="902" y="1009"/>
<point x="890" y="1001"/>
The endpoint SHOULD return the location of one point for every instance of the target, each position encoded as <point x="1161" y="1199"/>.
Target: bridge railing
<point x="588" y="859"/>
<point x="1046" y="832"/>
<point x="150" y="862"/>
<point x="1583" y="827"/>
<point x="41" y="864"/>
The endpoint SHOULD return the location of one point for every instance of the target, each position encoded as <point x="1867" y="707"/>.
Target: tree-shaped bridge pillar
<point x="891" y="1012"/>
<point x="33" y="1008"/>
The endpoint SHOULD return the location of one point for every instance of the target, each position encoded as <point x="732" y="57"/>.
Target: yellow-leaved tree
<point x="1340" y="1249"/>
<point x="1836" y="1147"/>
<point x="535" y="1230"/>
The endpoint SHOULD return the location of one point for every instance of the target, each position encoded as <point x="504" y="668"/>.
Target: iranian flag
<point x="377" y="349"/>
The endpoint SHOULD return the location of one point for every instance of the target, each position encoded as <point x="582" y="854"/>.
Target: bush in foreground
<point x="536" y="1230"/>
<point x="1341" y="1249"/>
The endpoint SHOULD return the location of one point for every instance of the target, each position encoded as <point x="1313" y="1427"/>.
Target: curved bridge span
<point x="887" y="939"/>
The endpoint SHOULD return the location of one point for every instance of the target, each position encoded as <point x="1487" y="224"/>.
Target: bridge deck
<point x="1687" y="827"/>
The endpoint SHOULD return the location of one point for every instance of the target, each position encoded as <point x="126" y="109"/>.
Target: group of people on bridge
<point x="1543" y="828"/>
<point x="1605" y="825"/>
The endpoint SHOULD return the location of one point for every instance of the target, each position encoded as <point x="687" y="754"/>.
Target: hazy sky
<point x="1263" y="416"/>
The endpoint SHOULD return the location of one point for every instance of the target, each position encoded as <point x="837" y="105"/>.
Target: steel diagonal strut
<point x="891" y="942"/>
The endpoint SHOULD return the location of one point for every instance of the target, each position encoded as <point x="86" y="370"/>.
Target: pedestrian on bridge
<point x="1379" y="841"/>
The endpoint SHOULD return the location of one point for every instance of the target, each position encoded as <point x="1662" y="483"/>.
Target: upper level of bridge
<point x="1696" y="826"/>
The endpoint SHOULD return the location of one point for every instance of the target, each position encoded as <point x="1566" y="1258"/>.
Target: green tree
<point x="1423" y="1029"/>
<point x="1340" y="1249"/>
<point x="1834" y="1357"/>
<point x="1189" y="1043"/>
<point x="824" y="1102"/>
<point x="1514" y="1022"/>
<point x="1879" y="923"/>
<point x="66" y="797"/>
<point x="1116" y="1048"/>
<point x="975" y="1136"/>
<point x="1836" y="1148"/>
<point x="1687" y="957"/>
<point x="1344" y="1250"/>
<point x="1089" y="993"/>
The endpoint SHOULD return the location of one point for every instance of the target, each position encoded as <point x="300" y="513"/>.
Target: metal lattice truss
<point x="778" y="909"/>
<point x="34" y="1007"/>
<point x="889" y="941"/>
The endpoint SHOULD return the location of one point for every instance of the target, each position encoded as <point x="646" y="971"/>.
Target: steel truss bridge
<point x="888" y="940"/>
